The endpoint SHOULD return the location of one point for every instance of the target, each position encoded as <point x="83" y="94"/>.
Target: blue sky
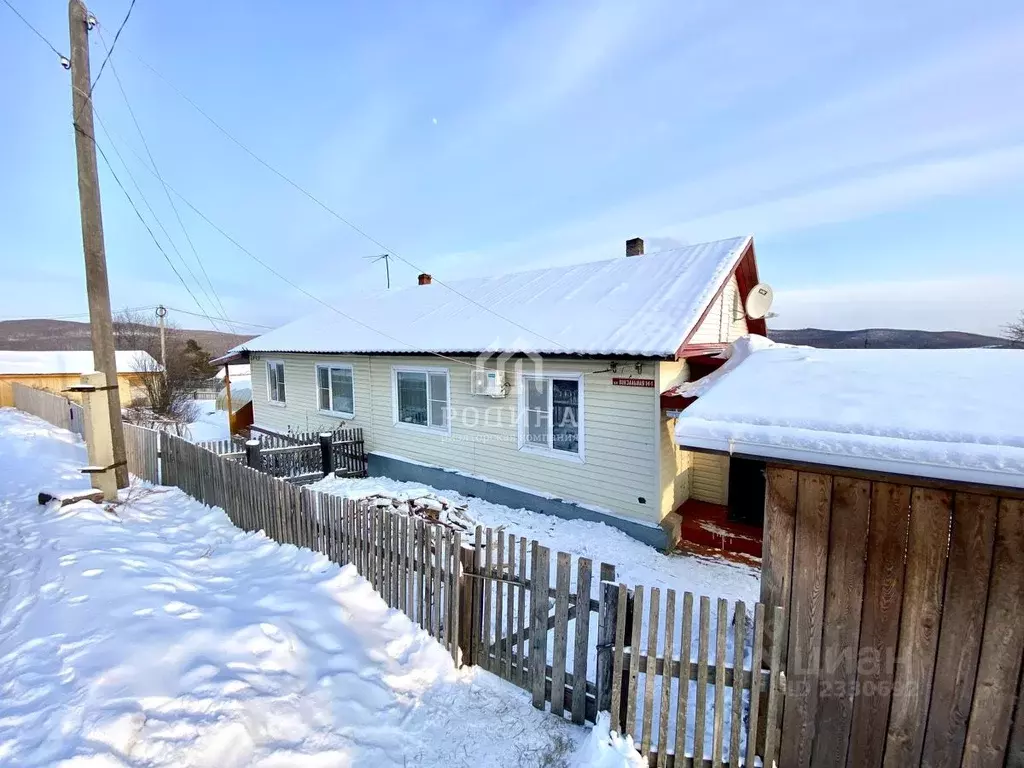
<point x="874" y="150"/>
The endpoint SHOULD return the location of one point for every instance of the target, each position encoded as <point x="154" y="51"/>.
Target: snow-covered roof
<point x="644" y="306"/>
<point x="62" y="361"/>
<point x="951" y="414"/>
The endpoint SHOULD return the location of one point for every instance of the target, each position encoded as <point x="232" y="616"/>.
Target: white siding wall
<point x="621" y="426"/>
<point x="710" y="478"/>
<point x="674" y="464"/>
<point x="725" y="320"/>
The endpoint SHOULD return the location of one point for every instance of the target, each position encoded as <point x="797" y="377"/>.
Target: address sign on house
<point x="622" y="381"/>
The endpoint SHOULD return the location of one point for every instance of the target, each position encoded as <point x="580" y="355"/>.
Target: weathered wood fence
<point x="298" y="458"/>
<point x="907" y="631"/>
<point x="58" y="410"/>
<point x="690" y="689"/>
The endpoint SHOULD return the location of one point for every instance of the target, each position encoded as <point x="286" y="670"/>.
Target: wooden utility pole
<point x="161" y="312"/>
<point x="100" y="320"/>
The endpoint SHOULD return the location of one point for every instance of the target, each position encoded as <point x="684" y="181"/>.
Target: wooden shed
<point x="55" y="371"/>
<point x="894" y="537"/>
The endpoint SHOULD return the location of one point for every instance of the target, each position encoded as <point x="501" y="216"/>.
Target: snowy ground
<point x="155" y="633"/>
<point x="211" y="424"/>
<point x="635" y="562"/>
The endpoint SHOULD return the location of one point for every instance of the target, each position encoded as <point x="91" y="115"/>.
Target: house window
<point x="334" y="389"/>
<point x="552" y="415"/>
<point x="421" y="397"/>
<point x="275" y="381"/>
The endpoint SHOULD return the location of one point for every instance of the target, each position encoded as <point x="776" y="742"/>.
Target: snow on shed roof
<point x="643" y="306"/>
<point x="952" y="414"/>
<point x="62" y="361"/>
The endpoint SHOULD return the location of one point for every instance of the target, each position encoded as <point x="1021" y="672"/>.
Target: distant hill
<point x="45" y="334"/>
<point x="885" y="338"/>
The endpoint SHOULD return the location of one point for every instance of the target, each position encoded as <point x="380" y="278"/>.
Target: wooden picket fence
<point x="691" y="694"/>
<point x="297" y="457"/>
<point x="54" y="408"/>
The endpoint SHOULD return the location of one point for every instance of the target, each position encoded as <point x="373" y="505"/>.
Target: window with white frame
<point x="334" y="388"/>
<point x="551" y="414"/>
<point x="421" y="397"/>
<point x="275" y="381"/>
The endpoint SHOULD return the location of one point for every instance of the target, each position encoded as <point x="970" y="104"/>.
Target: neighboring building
<point x="894" y="538"/>
<point x="56" y="371"/>
<point x="538" y="389"/>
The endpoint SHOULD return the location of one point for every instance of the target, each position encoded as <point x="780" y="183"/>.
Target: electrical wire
<point x="38" y="34"/>
<point x="71" y="317"/>
<point x="145" y="224"/>
<point x="159" y="223"/>
<point x="235" y="322"/>
<point x="110" y="52"/>
<point x="331" y="211"/>
<point x="216" y="300"/>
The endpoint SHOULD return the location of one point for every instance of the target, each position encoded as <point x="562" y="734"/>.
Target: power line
<point x="235" y="322"/>
<point x="159" y="223"/>
<point x="145" y="224"/>
<point x="40" y="35"/>
<point x="71" y="317"/>
<point x="106" y="58"/>
<point x="285" y="279"/>
<point x="331" y="211"/>
<point x="216" y="300"/>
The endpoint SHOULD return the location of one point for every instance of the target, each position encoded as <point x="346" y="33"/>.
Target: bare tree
<point x="169" y="394"/>
<point x="1015" y="331"/>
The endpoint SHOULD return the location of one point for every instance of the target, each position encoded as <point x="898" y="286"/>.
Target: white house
<point x="538" y="389"/>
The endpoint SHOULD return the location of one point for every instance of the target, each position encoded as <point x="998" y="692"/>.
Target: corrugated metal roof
<point x="642" y="306"/>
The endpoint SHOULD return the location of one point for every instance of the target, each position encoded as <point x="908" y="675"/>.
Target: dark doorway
<point x="746" y="491"/>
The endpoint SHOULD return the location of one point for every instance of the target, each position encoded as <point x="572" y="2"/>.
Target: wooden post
<point x="253" y="457"/>
<point x="326" y="453"/>
<point x="227" y="398"/>
<point x="97" y="287"/>
<point x="467" y="562"/>
<point x="99" y="445"/>
<point x="607" y="620"/>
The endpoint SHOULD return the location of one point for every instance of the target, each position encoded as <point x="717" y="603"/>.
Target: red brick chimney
<point x="635" y="246"/>
<point x="426" y="279"/>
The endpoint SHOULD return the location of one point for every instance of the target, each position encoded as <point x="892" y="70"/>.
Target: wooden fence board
<point x="619" y="671"/>
<point x="739" y="643"/>
<point x="488" y="617"/>
<point x="500" y="641"/>
<point x="654" y="610"/>
<point x="883" y="599"/>
<point x="848" y="537"/>
<point x="521" y="652"/>
<point x="701" y="697"/>
<point x="510" y="610"/>
<point x="541" y="577"/>
<point x="919" y="625"/>
<point x="584" y="570"/>
<point x="999" y="665"/>
<point x="634" y="659"/>
<point x="775" y="692"/>
<point x="755" y="685"/>
<point x="779" y="535"/>
<point x="561" y="633"/>
<point x="665" y="705"/>
<point x="683" y="691"/>
<point x="721" y="632"/>
<point x="806" y="616"/>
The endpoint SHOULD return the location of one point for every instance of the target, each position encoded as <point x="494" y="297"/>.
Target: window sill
<point x="336" y="414"/>
<point x="424" y="430"/>
<point x="278" y="403"/>
<point x="550" y="453"/>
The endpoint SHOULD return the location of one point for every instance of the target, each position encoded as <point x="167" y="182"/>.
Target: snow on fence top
<point x="645" y="306"/>
<point x="61" y="361"/>
<point x="946" y="414"/>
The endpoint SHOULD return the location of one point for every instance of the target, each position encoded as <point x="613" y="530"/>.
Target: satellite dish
<point x="759" y="301"/>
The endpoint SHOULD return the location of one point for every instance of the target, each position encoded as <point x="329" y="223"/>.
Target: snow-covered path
<point x="157" y="633"/>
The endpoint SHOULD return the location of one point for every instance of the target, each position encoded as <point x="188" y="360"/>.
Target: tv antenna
<point x="386" y="258"/>
<point x="759" y="301"/>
